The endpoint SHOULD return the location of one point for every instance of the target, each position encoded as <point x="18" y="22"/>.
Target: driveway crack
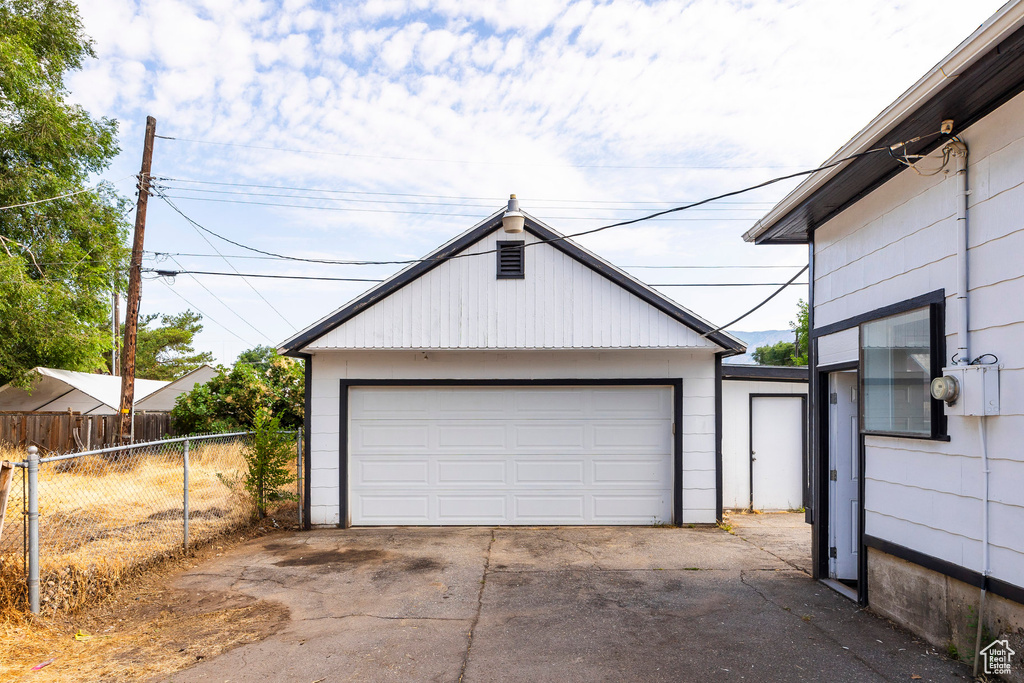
<point x="479" y="607"/>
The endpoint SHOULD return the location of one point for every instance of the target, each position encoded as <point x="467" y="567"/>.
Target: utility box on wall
<point x="969" y="390"/>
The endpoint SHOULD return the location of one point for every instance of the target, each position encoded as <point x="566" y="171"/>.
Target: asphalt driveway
<point x="554" y="604"/>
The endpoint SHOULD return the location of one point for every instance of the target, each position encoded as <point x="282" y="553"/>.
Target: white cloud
<point x="571" y="99"/>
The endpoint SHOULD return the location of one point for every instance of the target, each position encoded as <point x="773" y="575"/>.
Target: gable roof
<point x="163" y="398"/>
<point x="982" y="73"/>
<point x="546" y="235"/>
<point x="54" y="383"/>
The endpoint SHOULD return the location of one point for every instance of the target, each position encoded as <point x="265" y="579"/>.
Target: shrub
<point x="268" y="455"/>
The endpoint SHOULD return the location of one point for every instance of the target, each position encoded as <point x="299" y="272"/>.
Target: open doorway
<point x="843" y="483"/>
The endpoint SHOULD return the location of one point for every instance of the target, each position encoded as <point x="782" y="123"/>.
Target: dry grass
<point x="143" y="629"/>
<point x="103" y="519"/>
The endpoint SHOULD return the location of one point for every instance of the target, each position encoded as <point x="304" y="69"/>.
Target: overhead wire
<point x="422" y="196"/>
<point x="481" y="162"/>
<point x="206" y="316"/>
<point x="65" y="195"/>
<point x="208" y="291"/>
<point x="232" y="266"/>
<point x="171" y="273"/>
<point x="591" y="231"/>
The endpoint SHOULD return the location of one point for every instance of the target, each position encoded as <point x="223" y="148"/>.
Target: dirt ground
<point x="144" y="629"/>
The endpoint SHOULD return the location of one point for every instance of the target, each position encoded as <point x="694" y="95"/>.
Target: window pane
<point x="897" y="371"/>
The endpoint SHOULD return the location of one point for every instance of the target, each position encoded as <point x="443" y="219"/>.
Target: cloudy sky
<point x="377" y="130"/>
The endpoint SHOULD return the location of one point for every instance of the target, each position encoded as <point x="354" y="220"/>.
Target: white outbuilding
<point x="512" y="379"/>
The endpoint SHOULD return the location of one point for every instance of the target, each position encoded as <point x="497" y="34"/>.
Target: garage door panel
<point x="391" y="472"/>
<point x="405" y="508"/>
<point x="548" y="436"/>
<point x="651" y="435"/>
<point x="471" y="472"/>
<point x="548" y="404"/>
<point x="387" y="404"/>
<point x="471" y="509"/>
<point x="623" y="402"/>
<point x="390" y="436"/>
<point x="463" y="402"/>
<point x="631" y="471"/>
<point x="566" y="509"/>
<point x="472" y="436"/>
<point x="551" y="470"/>
<point x="511" y="455"/>
<point x="639" y="509"/>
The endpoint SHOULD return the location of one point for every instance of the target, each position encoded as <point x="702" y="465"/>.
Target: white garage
<point x="510" y="455"/>
<point x="512" y="379"/>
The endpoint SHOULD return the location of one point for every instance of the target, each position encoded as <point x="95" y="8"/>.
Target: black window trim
<point x="502" y="246"/>
<point x="937" y="324"/>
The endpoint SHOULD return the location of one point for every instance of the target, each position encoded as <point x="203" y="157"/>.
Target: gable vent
<point x="511" y="260"/>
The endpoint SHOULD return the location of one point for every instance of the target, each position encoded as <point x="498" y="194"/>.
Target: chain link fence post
<point x="33" y="529"/>
<point x="298" y="472"/>
<point x="185" y="496"/>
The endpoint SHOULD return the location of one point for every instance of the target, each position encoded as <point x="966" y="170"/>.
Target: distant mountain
<point x="758" y="338"/>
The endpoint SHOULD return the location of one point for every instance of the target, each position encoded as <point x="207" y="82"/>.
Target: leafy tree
<point x="166" y="352"/>
<point x="784" y="352"/>
<point x="780" y="353"/>
<point x="259" y="357"/>
<point x="800" y="327"/>
<point x="268" y="455"/>
<point x="231" y="400"/>
<point x="58" y="259"/>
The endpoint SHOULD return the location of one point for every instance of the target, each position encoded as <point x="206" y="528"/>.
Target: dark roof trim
<point x="990" y="82"/>
<point x="765" y="373"/>
<point x="292" y="346"/>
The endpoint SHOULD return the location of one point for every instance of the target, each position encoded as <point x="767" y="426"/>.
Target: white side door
<point x="776" y="452"/>
<point x="844" y="475"/>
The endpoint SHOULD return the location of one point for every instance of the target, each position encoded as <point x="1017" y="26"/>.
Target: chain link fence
<point x="106" y="513"/>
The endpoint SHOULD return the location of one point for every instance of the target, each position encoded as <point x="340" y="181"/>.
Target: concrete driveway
<point x="551" y="604"/>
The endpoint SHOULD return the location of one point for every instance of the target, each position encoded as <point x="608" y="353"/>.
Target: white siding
<point x="840" y="347"/>
<point x="736" y="435"/>
<point x="560" y="303"/>
<point x="695" y="368"/>
<point x="897" y="243"/>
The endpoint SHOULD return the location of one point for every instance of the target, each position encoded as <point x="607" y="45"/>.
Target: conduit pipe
<point x="959" y="153"/>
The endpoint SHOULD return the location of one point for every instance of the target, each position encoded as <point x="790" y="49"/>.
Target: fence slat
<point x="55" y="432"/>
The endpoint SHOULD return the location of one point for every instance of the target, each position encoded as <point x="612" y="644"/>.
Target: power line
<point x="405" y="212"/>
<point x="206" y="316"/>
<point x="392" y="202"/>
<point x="770" y="297"/>
<point x="426" y="196"/>
<point x="63" y="196"/>
<point x="158" y="254"/>
<point x="171" y="273"/>
<point x="225" y="305"/>
<point x="591" y="231"/>
<point x="480" y="162"/>
<point x="231" y="265"/>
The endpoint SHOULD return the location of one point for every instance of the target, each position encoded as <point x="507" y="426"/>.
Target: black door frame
<point x="675" y="383"/>
<point x="821" y="509"/>
<point x="803" y="440"/>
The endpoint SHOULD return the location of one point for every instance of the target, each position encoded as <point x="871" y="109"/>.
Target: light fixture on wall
<point x="513" y="219"/>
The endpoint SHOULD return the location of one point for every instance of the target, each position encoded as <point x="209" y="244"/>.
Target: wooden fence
<point x="68" y="432"/>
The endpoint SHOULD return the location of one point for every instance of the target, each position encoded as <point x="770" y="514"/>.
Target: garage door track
<point x="549" y="604"/>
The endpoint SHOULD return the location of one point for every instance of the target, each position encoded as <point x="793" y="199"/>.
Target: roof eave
<point x="1009" y="18"/>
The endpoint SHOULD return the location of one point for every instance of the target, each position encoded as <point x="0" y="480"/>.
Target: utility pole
<point x="131" y="314"/>
<point x="115" y="328"/>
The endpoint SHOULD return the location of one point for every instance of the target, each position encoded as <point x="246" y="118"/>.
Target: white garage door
<point x="510" y="455"/>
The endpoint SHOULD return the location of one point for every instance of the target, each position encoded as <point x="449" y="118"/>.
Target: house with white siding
<point x="512" y="378"/>
<point x="916" y="245"/>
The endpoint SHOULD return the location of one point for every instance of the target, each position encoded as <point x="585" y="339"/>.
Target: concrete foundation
<point x="943" y="610"/>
